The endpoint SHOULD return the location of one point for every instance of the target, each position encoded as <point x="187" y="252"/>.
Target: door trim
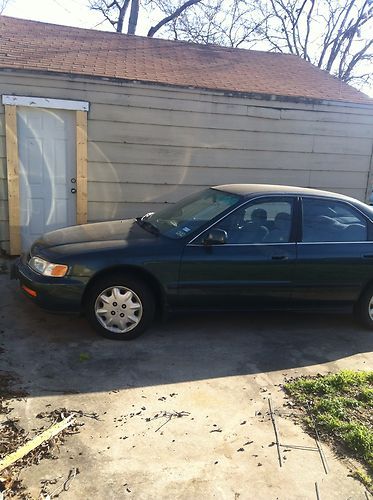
<point x="44" y="102"/>
<point x="12" y="161"/>
<point x="81" y="167"/>
<point x="12" y="167"/>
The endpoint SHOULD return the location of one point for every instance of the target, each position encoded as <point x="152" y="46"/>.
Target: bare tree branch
<point x="359" y="56"/>
<point x="114" y="12"/>
<point x="284" y="27"/>
<point x="309" y="19"/>
<point x="350" y="37"/>
<point x="153" y="30"/>
<point x="332" y="34"/>
<point x="4" y="4"/>
<point x="339" y="37"/>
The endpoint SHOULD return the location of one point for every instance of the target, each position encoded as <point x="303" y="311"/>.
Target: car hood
<point x="95" y="235"/>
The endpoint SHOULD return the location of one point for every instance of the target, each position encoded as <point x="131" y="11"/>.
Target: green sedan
<point x="232" y="247"/>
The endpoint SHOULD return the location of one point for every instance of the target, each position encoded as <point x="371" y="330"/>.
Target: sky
<point x="66" y="12"/>
<point x="73" y="13"/>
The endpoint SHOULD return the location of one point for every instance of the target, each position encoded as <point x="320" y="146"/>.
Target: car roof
<point x="269" y="189"/>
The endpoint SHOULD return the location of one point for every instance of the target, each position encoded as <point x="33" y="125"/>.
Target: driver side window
<point x="259" y="222"/>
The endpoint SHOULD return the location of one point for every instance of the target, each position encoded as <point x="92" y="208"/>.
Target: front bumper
<point x="53" y="294"/>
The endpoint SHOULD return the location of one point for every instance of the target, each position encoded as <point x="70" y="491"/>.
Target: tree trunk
<point x="134" y="14"/>
<point x="122" y="13"/>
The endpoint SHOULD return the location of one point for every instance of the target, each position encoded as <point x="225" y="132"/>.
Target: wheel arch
<point x="364" y="289"/>
<point x="135" y="272"/>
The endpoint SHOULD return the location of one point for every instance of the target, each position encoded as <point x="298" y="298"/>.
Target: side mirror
<point x="215" y="237"/>
<point x="146" y="216"/>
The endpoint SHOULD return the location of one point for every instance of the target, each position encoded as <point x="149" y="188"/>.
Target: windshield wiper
<point x="148" y="226"/>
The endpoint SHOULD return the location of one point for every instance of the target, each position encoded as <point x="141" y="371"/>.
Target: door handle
<point x="279" y="257"/>
<point x="73" y="190"/>
<point x="368" y="256"/>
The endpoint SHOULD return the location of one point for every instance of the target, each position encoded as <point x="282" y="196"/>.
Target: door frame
<point x="81" y="109"/>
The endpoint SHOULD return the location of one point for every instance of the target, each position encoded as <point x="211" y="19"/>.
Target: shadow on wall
<point x="113" y="186"/>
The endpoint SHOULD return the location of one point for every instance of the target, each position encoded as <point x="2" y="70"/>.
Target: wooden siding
<point x="149" y="145"/>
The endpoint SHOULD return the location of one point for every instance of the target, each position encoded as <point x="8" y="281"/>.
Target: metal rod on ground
<point x="277" y="435"/>
<point x="317" y="491"/>
<point x="318" y="444"/>
<point x="296" y="447"/>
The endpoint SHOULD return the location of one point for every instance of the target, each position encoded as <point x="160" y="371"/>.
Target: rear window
<point x="332" y="220"/>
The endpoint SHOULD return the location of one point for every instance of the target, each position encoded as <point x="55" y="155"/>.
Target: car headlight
<point x="47" y="268"/>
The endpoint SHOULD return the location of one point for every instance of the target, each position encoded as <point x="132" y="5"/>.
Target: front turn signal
<point x="57" y="270"/>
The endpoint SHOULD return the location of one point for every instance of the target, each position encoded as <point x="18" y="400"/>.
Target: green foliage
<point x="361" y="475"/>
<point x="83" y="356"/>
<point x="341" y="405"/>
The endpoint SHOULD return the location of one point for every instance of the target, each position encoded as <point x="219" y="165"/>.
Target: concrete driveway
<point x="183" y="410"/>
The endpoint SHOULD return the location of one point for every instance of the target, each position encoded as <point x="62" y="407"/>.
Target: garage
<point x="99" y="126"/>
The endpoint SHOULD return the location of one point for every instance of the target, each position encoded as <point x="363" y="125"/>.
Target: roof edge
<point x="161" y="40"/>
<point x="224" y="92"/>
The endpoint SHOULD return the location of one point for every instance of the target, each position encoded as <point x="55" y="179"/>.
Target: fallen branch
<point x="169" y="416"/>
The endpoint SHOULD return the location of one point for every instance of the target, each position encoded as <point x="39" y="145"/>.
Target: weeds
<point x="342" y="407"/>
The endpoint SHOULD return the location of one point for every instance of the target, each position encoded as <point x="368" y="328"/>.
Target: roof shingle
<point x="31" y="45"/>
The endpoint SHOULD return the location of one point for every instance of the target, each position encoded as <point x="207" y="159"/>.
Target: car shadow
<point x="61" y="354"/>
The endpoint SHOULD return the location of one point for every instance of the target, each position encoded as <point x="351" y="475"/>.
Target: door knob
<point x="73" y="190"/>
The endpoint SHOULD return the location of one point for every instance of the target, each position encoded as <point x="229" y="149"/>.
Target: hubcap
<point x="118" y="309"/>
<point x="370" y="308"/>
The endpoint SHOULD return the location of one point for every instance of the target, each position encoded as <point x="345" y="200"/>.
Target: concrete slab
<point x="215" y="370"/>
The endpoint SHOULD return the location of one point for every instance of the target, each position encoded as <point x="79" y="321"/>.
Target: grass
<point x="342" y="407"/>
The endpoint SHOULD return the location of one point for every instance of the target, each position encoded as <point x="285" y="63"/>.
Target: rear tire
<point x="364" y="308"/>
<point x="120" y="307"/>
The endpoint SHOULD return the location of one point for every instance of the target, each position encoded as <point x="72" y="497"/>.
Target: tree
<point x="115" y="12"/>
<point x="223" y="22"/>
<point x="335" y="35"/>
<point x="4" y="4"/>
<point x="328" y="33"/>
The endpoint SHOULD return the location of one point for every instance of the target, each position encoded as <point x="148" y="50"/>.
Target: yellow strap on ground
<point x="35" y="442"/>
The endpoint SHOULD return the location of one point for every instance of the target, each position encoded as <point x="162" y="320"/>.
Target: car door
<point x="334" y="255"/>
<point x="255" y="266"/>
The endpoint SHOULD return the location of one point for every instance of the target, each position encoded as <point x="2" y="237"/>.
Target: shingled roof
<point x="31" y="45"/>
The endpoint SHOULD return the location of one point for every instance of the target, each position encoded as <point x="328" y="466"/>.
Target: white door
<point x="47" y="171"/>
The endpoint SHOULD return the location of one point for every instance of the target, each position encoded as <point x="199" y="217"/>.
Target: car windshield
<point x="189" y="214"/>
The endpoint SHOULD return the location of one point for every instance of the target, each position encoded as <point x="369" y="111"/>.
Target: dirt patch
<point x="12" y="435"/>
<point x="9" y="389"/>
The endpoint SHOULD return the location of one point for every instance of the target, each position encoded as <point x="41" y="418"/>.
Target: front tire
<point x="120" y="307"/>
<point x="364" y="308"/>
